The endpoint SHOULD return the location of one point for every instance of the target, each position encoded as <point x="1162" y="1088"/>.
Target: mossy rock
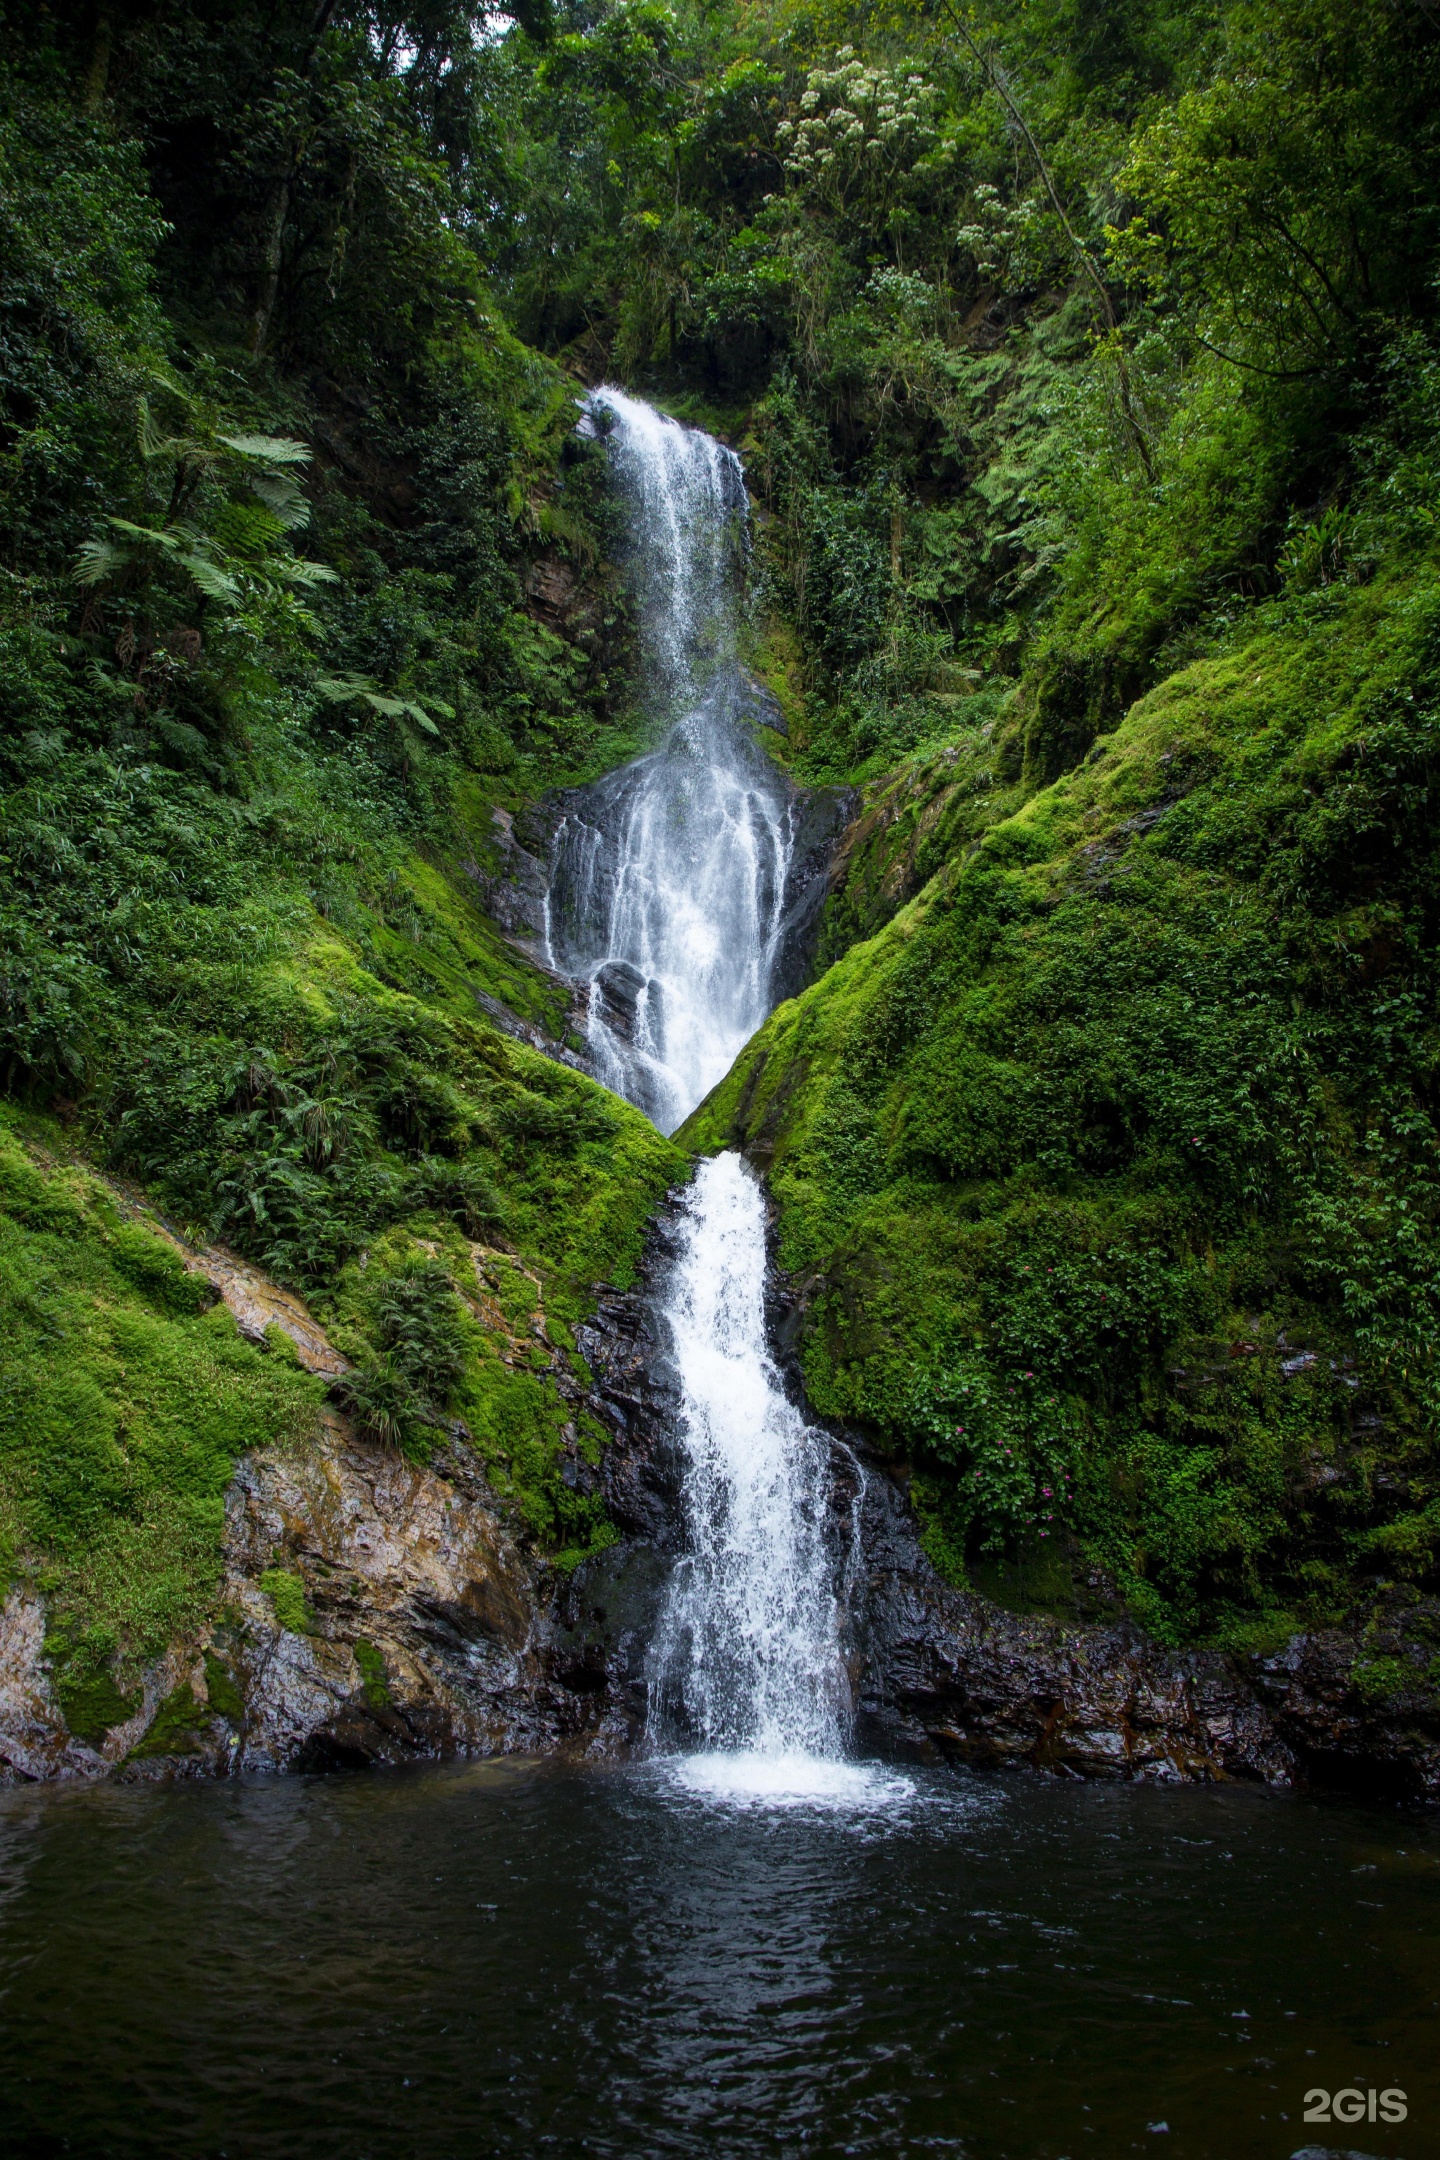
<point x="177" y="1728"/>
<point x="94" y="1706"/>
<point x="374" y="1682"/>
<point x="225" y="1697"/>
<point x="286" y="1592"/>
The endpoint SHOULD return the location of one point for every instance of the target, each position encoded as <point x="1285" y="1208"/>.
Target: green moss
<point x="1099" y="1163"/>
<point x="1378" y="1680"/>
<point x="942" y="1535"/>
<point x="569" y="1557"/>
<point x="432" y="940"/>
<point x="225" y="1698"/>
<point x="93" y="1704"/>
<point x="176" y="1728"/>
<point x="153" y="1265"/>
<point x="281" y="1345"/>
<point x="775" y="656"/>
<point x="286" y="1592"/>
<point x="123" y="1407"/>
<point x="372" y="1671"/>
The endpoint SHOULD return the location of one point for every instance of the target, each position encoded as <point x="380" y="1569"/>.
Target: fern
<point x="346" y="689"/>
<point x="273" y="449"/>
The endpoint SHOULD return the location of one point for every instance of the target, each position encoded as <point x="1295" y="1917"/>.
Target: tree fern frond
<point x="96" y="560"/>
<point x="282" y="496"/>
<point x="341" y="689"/>
<point x="306" y="574"/>
<point x="215" y="583"/>
<point x="270" y="449"/>
<point x="169" y="539"/>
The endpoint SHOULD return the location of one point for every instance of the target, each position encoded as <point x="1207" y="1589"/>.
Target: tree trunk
<point x="97" y="74"/>
<point x="273" y="257"/>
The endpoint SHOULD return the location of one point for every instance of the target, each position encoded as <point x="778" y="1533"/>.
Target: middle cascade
<point x="669" y="878"/>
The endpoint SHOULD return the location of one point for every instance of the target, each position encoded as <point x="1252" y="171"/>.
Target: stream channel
<point x="747" y="1940"/>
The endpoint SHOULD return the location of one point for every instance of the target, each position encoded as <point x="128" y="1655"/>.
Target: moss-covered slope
<point x="1106" y="1167"/>
<point x="127" y="1395"/>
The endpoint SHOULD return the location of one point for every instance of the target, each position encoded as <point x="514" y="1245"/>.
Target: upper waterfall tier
<point x="672" y="881"/>
<point x="688" y="530"/>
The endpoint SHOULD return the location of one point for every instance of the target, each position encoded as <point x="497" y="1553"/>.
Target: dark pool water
<point x="519" y="1959"/>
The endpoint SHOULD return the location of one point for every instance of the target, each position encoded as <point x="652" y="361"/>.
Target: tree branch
<point x="1082" y="254"/>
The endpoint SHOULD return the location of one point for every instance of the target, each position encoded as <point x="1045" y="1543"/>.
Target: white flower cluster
<point x="1000" y="237"/>
<point x="857" y="111"/>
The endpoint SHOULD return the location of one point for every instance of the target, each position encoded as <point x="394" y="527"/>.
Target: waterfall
<point x="669" y="878"/>
<point x="688" y="519"/>
<point x="747" y="1653"/>
<point x="669" y="897"/>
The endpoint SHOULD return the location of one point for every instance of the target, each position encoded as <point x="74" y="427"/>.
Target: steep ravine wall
<point x="373" y="1609"/>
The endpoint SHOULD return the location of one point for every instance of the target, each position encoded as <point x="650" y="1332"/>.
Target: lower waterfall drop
<point x="747" y="1658"/>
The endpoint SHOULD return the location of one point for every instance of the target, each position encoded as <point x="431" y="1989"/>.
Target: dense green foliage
<point x="267" y="666"/>
<point x="1084" y="363"/>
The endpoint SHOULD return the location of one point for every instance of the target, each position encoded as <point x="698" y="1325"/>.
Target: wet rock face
<point x="1363" y="1714"/>
<point x="515" y="892"/>
<point x="372" y="1610"/>
<point x="824" y="813"/>
<point x="424" y="1629"/>
<point x="616" y="991"/>
<point x="637" y="1394"/>
<point x="35" y="1742"/>
<point x="941" y="1672"/>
